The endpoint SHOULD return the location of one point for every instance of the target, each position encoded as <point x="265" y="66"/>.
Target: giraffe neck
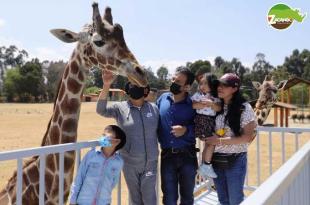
<point x="64" y="122"/>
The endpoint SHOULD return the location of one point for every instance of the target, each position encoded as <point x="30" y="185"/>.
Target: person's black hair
<point x="190" y="77"/>
<point x="119" y="134"/>
<point x="235" y="109"/>
<point x="212" y="83"/>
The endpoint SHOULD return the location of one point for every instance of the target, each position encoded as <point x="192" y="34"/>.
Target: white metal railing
<point x="201" y="185"/>
<point x="288" y="185"/>
<point x="283" y="134"/>
<point x="42" y="152"/>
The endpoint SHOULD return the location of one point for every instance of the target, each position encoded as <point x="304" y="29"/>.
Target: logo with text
<point x="281" y="16"/>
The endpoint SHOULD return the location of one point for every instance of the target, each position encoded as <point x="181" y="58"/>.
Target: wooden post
<point x="309" y="94"/>
<point x="282" y="95"/>
<point x="288" y="100"/>
<point x="281" y="116"/>
<point x="275" y="117"/>
<point x="286" y="117"/>
<point x="289" y="96"/>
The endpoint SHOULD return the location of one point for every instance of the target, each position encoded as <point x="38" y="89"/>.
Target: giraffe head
<point x="101" y="44"/>
<point x="267" y="97"/>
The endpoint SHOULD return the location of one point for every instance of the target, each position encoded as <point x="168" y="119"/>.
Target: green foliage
<point x="199" y="66"/>
<point x="32" y="80"/>
<point x="25" y="82"/>
<point x="261" y="68"/>
<point x="162" y="73"/>
<point x="92" y="90"/>
<point x="54" y="72"/>
<point x="12" y="84"/>
<point x="95" y="78"/>
<point x="36" y="81"/>
<point x="10" y="57"/>
<point x="300" y="95"/>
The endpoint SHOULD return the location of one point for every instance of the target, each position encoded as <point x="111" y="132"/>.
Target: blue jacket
<point x="171" y="113"/>
<point x="96" y="177"/>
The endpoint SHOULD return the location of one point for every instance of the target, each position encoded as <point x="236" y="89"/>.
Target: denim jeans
<point x="229" y="182"/>
<point x="178" y="171"/>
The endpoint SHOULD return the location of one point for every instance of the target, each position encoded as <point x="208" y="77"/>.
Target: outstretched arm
<point x="102" y="108"/>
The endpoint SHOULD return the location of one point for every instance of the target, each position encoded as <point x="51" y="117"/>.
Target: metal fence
<point x="201" y="185"/>
<point x="288" y="185"/>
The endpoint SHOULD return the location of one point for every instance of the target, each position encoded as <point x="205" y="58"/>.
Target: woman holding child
<point x="235" y="127"/>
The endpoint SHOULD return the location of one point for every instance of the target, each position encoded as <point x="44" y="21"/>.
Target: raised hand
<point x="108" y="77"/>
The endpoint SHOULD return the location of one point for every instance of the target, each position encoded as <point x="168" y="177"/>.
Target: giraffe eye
<point x="99" y="43"/>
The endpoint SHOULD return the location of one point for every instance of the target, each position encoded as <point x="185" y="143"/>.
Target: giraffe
<point x="267" y="97"/>
<point x="99" y="44"/>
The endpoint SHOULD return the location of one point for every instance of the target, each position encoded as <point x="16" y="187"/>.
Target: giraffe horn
<point x="108" y="15"/>
<point x="97" y="19"/>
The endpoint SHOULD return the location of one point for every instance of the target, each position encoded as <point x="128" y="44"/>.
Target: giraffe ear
<point x="65" y="35"/>
<point x="281" y="84"/>
<point x="256" y="85"/>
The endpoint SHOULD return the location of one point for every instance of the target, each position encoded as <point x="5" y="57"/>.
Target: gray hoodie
<point x="140" y="126"/>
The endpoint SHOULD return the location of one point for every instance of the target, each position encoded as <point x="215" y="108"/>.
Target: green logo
<point x="281" y="16"/>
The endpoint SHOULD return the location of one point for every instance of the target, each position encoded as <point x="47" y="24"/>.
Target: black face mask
<point x="175" y="88"/>
<point x="136" y="92"/>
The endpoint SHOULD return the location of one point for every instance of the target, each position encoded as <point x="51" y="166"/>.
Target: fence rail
<point x="288" y="185"/>
<point x="201" y="185"/>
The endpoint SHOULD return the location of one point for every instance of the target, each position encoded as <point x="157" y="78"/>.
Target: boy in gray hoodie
<point x="139" y="120"/>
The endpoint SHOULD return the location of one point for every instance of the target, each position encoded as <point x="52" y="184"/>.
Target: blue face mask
<point x="105" y="141"/>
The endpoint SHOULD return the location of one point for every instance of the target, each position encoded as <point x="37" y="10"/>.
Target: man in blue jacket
<point x="177" y="140"/>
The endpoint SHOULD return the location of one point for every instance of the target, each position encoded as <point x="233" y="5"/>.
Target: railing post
<point x="270" y="153"/>
<point x="258" y="158"/>
<point x="296" y="141"/>
<point x="77" y="158"/>
<point x="19" y="181"/>
<point x="283" y="147"/>
<point x="42" y="180"/>
<point x="119" y="191"/>
<point x="61" y="178"/>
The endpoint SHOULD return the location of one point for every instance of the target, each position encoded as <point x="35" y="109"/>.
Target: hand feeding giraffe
<point x="100" y="44"/>
<point x="267" y="97"/>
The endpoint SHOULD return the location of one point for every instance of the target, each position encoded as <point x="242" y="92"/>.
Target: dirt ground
<point x="24" y="125"/>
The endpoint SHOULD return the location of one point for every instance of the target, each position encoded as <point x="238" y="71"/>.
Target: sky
<point x="161" y="32"/>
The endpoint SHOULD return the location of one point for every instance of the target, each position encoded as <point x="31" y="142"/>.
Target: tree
<point x="238" y="68"/>
<point x="200" y="66"/>
<point x="295" y="63"/>
<point x="162" y="73"/>
<point x="218" y="61"/>
<point x="152" y="79"/>
<point x="261" y="68"/>
<point x="32" y="81"/>
<point x="12" y="84"/>
<point x="162" y="80"/>
<point x="280" y="73"/>
<point x="53" y="76"/>
<point x="10" y="57"/>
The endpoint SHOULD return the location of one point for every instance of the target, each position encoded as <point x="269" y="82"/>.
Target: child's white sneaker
<point x="206" y="170"/>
